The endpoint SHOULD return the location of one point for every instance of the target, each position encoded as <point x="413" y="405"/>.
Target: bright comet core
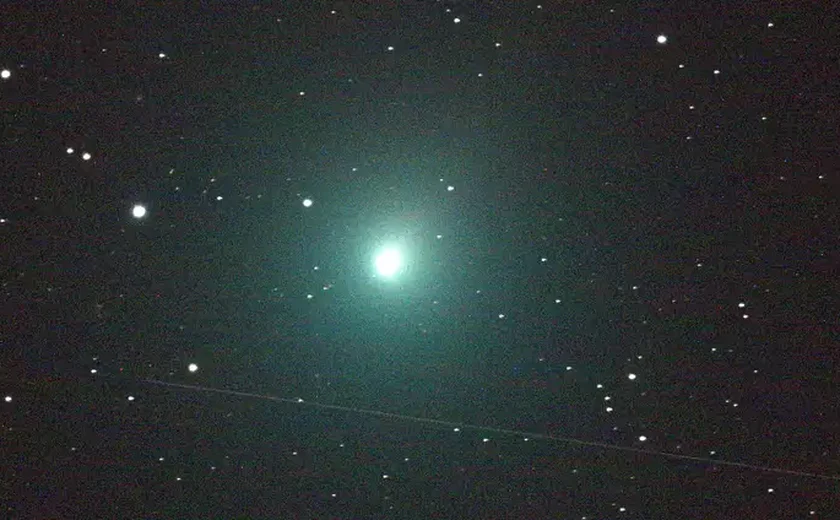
<point x="388" y="262"/>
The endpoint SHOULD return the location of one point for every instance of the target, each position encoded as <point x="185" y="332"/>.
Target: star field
<point x="419" y="260"/>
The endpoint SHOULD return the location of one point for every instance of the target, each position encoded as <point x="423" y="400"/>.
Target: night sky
<point x="613" y="241"/>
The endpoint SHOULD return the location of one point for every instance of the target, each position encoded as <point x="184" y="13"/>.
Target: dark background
<point x="659" y="194"/>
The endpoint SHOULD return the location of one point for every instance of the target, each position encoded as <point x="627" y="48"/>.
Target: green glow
<point x="388" y="262"/>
